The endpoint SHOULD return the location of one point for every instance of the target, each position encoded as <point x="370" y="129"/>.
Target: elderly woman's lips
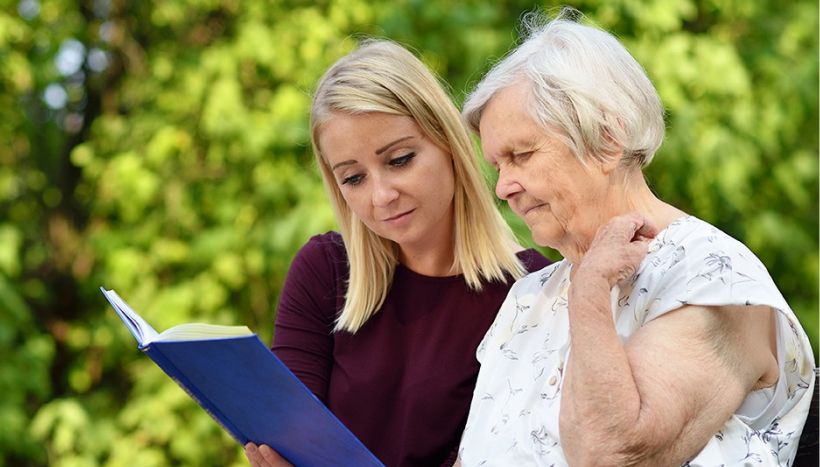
<point x="532" y="208"/>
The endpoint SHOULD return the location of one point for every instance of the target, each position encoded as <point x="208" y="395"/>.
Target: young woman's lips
<point x="399" y="217"/>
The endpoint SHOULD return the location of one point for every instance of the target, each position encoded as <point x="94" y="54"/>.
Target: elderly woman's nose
<point x="505" y="187"/>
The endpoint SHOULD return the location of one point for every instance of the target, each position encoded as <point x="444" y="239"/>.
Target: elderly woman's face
<point x="560" y="199"/>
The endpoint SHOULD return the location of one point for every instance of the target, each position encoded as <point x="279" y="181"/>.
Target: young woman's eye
<point x="353" y="180"/>
<point x="402" y="160"/>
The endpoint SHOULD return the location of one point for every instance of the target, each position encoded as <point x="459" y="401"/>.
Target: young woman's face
<point x="395" y="179"/>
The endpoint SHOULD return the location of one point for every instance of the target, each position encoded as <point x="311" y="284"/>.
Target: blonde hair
<point x="382" y="76"/>
<point x="582" y="82"/>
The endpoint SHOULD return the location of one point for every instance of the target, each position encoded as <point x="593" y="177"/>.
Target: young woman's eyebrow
<point x="389" y="145"/>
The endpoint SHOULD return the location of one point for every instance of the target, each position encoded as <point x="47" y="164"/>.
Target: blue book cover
<point x="247" y="389"/>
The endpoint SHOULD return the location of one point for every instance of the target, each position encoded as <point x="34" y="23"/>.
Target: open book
<point x="247" y="389"/>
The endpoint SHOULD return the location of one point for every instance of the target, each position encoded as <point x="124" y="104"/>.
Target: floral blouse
<point x="514" y="413"/>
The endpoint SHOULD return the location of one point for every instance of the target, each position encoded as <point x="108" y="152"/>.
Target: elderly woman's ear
<point x="612" y="155"/>
<point x="612" y="160"/>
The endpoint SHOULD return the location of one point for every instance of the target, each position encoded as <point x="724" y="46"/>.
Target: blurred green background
<point x="161" y="148"/>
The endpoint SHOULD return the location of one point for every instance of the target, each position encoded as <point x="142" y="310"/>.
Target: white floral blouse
<point x="514" y="413"/>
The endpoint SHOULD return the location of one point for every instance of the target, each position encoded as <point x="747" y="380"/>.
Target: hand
<point x="617" y="249"/>
<point x="264" y="456"/>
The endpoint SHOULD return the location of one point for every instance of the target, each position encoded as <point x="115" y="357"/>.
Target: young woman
<point x="381" y="321"/>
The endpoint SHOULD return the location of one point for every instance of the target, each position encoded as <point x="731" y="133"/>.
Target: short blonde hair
<point x="382" y="76"/>
<point x="584" y="84"/>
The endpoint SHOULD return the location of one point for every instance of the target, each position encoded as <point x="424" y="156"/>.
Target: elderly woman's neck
<point x="636" y="196"/>
<point x="626" y="194"/>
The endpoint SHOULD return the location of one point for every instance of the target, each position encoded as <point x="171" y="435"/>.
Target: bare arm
<point x="657" y="399"/>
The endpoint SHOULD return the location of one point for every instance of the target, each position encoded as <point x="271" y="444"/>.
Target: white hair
<point x="582" y="83"/>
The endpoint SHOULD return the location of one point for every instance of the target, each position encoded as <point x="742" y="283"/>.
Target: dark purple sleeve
<point x="452" y="457"/>
<point x="302" y="338"/>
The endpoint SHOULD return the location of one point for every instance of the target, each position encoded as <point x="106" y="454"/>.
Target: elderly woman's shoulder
<point x="692" y="235"/>
<point x="697" y="249"/>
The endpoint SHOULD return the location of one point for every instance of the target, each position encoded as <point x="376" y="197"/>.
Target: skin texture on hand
<point x="617" y="249"/>
<point x="264" y="456"/>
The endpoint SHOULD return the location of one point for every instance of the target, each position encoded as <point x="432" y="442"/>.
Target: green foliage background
<point x="161" y="148"/>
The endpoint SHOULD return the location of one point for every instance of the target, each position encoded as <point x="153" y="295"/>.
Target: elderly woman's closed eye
<point x="674" y="327"/>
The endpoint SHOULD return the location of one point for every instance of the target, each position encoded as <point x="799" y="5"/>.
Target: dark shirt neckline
<point x="523" y="256"/>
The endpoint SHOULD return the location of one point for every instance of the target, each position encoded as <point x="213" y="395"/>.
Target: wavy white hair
<point x="584" y="84"/>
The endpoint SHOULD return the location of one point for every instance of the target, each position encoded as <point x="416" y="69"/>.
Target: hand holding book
<point x="247" y="389"/>
<point x="264" y="456"/>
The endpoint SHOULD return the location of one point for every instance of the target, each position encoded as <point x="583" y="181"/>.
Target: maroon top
<point x="403" y="383"/>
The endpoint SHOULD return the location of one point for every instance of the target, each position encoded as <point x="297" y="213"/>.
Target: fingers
<point x="264" y="456"/>
<point x="253" y="455"/>
<point x="645" y="231"/>
<point x="648" y="230"/>
<point x="625" y="230"/>
<point x="619" y="247"/>
<point x="272" y="457"/>
<point x="634" y="226"/>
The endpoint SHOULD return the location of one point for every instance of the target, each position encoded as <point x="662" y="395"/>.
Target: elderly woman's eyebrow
<point x="527" y="144"/>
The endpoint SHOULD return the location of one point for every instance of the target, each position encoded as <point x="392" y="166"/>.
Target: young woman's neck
<point x="433" y="265"/>
<point x="433" y="258"/>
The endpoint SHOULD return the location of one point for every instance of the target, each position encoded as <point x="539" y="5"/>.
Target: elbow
<point x="620" y="438"/>
<point x="620" y="456"/>
<point x="610" y="447"/>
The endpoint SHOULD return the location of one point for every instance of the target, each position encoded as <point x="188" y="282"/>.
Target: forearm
<point x="658" y="397"/>
<point x="655" y="400"/>
<point x="601" y="402"/>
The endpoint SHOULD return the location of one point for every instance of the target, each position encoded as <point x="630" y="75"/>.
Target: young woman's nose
<point x="384" y="192"/>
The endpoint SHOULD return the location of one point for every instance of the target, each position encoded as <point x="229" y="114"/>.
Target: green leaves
<point x="179" y="172"/>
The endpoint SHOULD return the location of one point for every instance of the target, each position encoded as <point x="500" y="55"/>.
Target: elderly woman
<point x="658" y="340"/>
